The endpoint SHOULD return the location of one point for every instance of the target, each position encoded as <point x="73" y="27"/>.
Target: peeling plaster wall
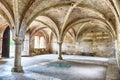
<point x="25" y="51"/>
<point x="88" y="44"/>
<point x="31" y="45"/>
<point x="104" y="49"/>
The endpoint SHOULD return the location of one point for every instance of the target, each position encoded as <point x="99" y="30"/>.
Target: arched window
<point x="42" y="42"/>
<point x="39" y="42"/>
<point x="36" y="42"/>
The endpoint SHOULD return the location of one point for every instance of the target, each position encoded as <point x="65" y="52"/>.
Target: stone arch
<point x="97" y="25"/>
<point x="97" y="42"/>
<point x="90" y="20"/>
<point x="54" y="28"/>
<point x="39" y="32"/>
<point x="9" y="16"/>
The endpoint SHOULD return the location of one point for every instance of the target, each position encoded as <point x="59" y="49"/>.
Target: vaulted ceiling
<point x="60" y="16"/>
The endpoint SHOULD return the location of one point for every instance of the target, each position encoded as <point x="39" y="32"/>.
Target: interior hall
<point x="59" y="39"/>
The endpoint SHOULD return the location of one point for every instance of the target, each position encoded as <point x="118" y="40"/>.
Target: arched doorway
<point x="6" y="43"/>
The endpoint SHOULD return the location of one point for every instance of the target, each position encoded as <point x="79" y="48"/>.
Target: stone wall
<point x="112" y="70"/>
<point x="39" y="51"/>
<point x="25" y="49"/>
<point x="84" y="48"/>
<point x="89" y="43"/>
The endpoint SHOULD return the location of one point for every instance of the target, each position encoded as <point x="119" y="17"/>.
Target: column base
<point x="60" y="58"/>
<point x="119" y="70"/>
<point x="17" y="69"/>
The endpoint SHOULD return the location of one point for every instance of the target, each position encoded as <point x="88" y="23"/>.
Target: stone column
<point x="17" y="62"/>
<point x="117" y="54"/>
<point x="76" y="48"/>
<point x="60" y="50"/>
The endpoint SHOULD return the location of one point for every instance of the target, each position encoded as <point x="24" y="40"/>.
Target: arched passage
<point x="6" y="43"/>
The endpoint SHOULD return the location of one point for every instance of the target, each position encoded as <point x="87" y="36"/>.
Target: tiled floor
<point x="47" y="67"/>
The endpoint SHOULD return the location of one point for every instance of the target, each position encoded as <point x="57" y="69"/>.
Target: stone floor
<point x="47" y="67"/>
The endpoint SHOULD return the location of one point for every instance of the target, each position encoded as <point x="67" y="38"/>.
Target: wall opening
<point x="12" y="46"/>
<point x="42" y="42"/>
<point x="39" y="42"/>
<point x="36" y="42"/>
<point x="6" y="43"/>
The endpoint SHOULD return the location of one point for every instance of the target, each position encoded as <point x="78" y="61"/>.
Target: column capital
<point x="59" y="42"/>
<point x="18" y="41"/>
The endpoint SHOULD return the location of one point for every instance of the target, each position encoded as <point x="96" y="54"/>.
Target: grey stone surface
<point x="47" y="67"/>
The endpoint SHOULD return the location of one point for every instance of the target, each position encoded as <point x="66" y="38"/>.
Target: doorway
<point x="6" y="43"/>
